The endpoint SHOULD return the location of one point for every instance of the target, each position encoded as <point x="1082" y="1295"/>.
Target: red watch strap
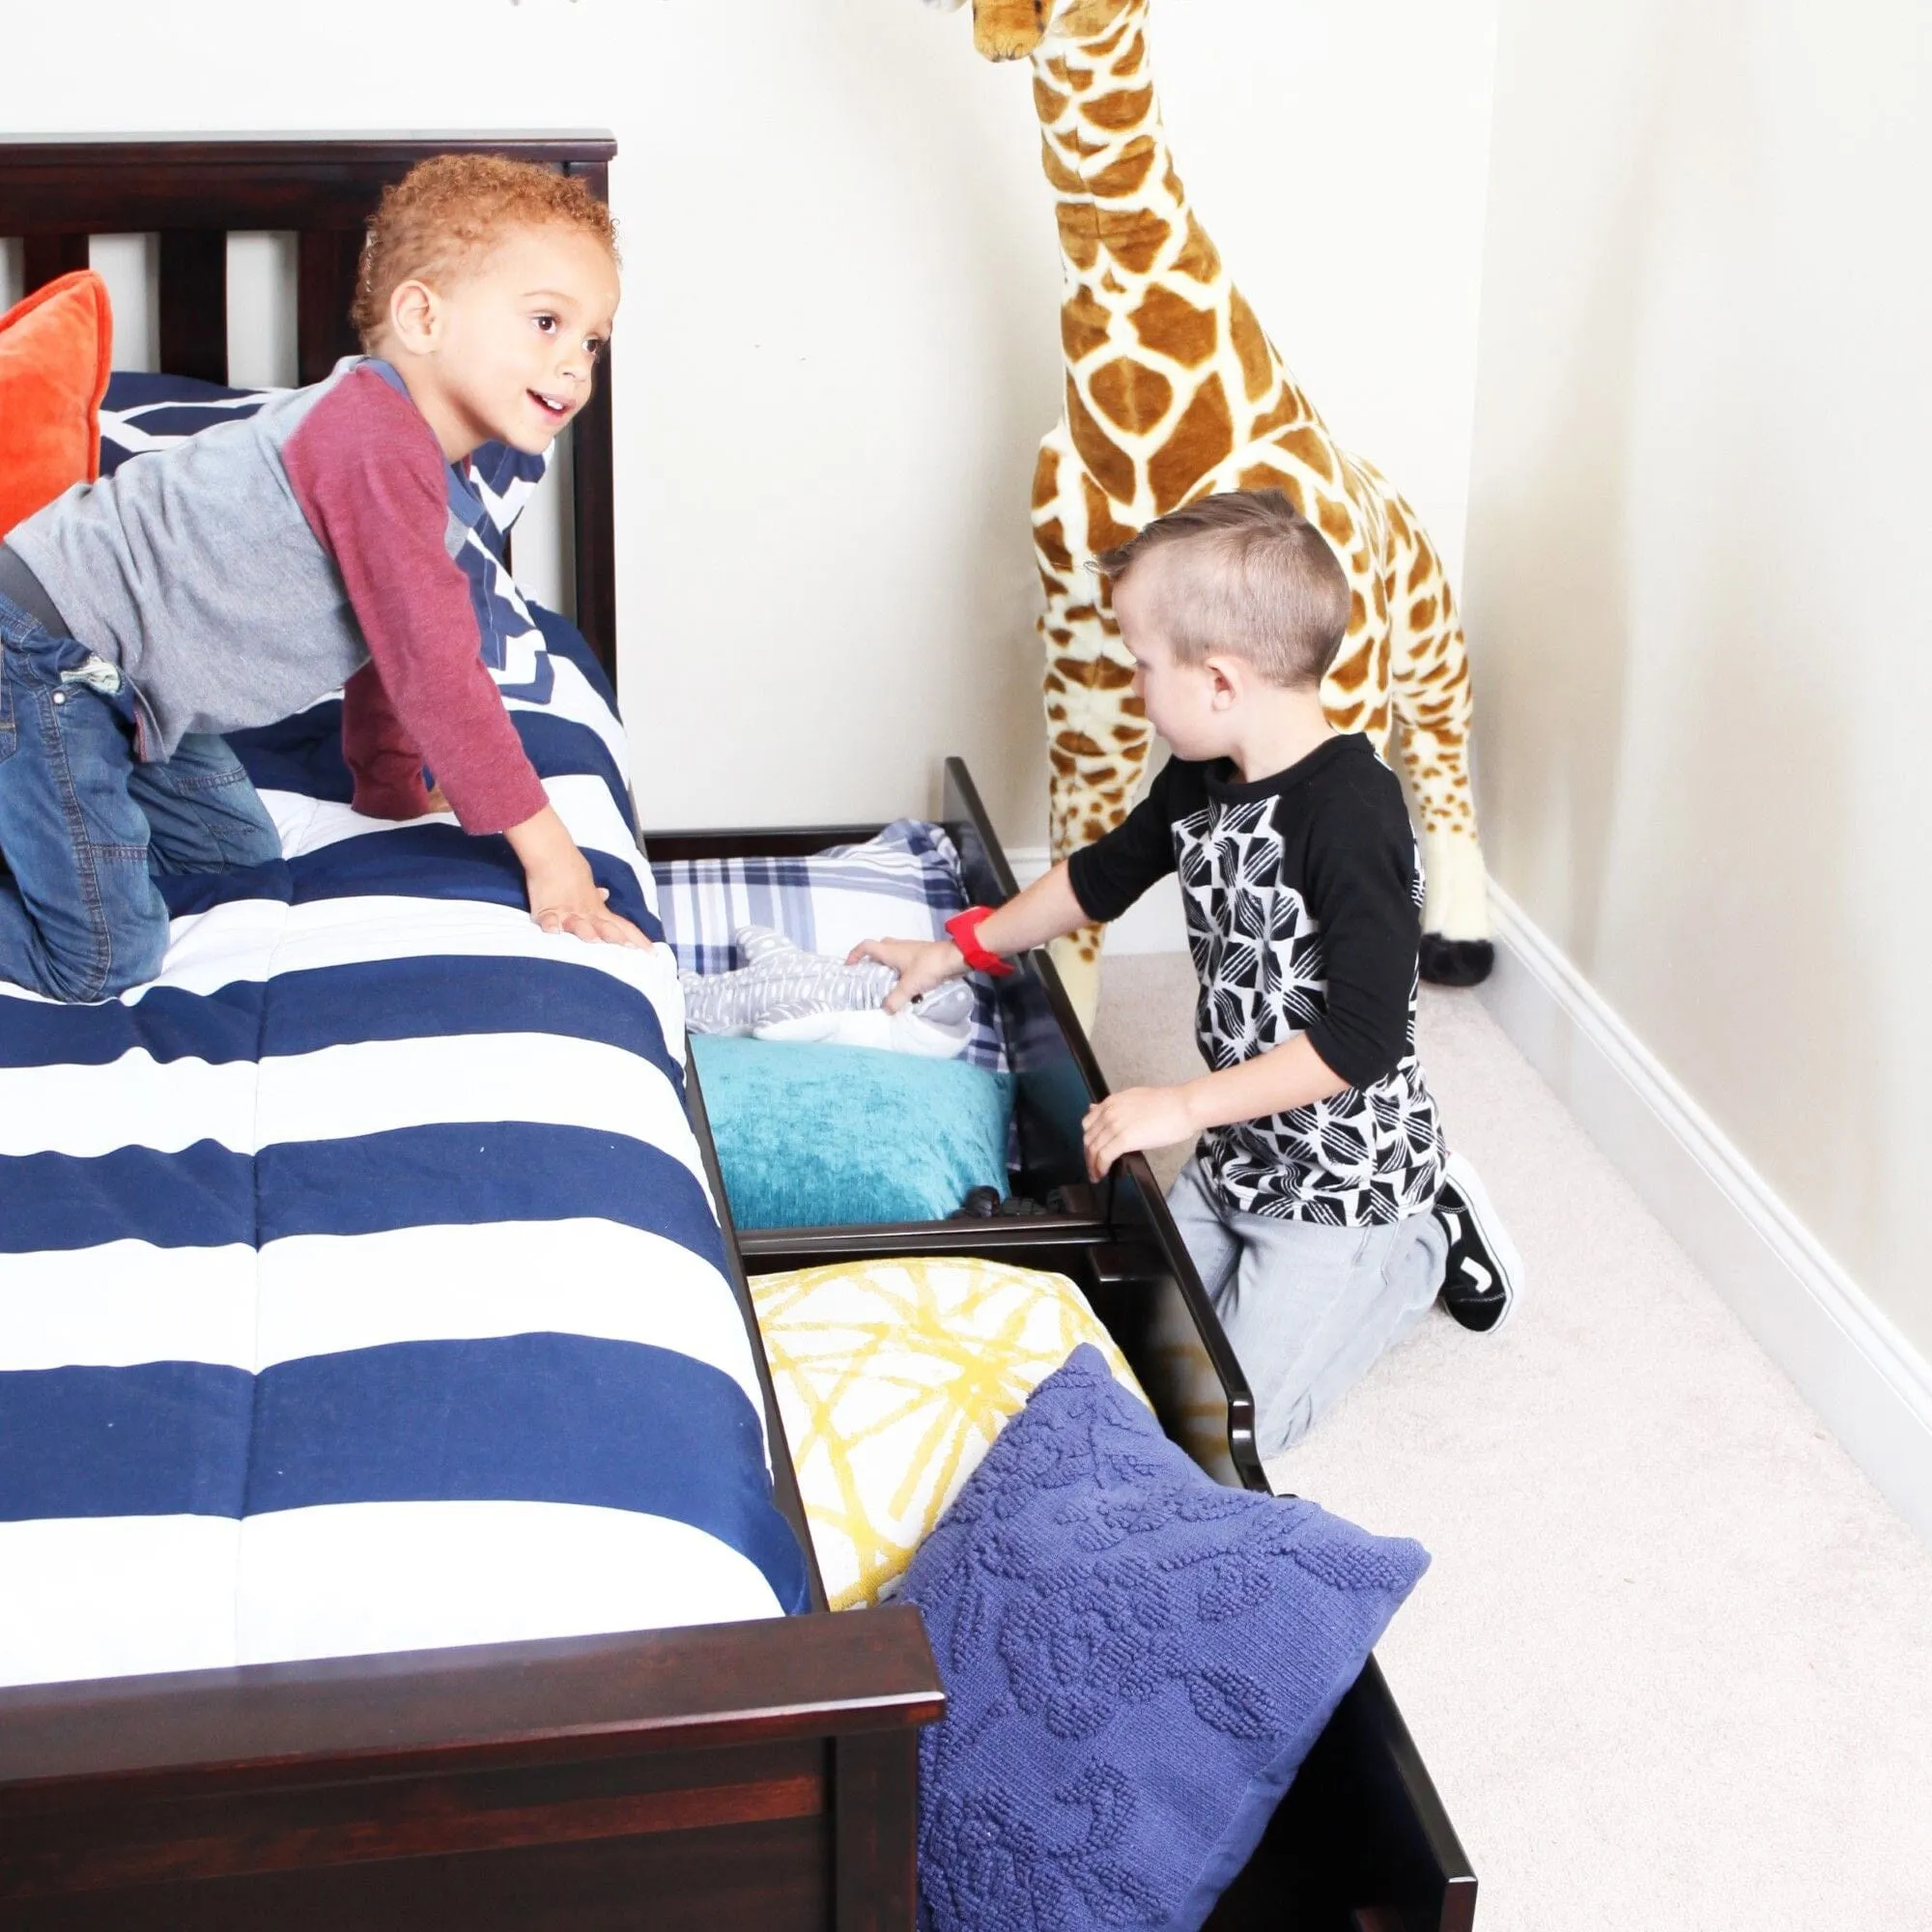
<point x="963" y="930"/>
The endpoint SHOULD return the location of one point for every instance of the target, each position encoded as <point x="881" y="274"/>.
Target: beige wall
<point x="1698" y="579"/>
<point x="840" y="345"/>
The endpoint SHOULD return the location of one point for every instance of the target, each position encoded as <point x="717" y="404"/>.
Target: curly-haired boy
<point x="234" y="578"/>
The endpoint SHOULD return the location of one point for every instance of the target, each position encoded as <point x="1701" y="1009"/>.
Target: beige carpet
<point x="1672" y="1664"/>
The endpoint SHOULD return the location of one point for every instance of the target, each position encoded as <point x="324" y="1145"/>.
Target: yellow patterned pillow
<point x="893" y="1377"/>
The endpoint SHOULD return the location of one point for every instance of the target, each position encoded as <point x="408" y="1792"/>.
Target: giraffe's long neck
<point x="1122" y="211"/>
<point x="1155" y="335"/>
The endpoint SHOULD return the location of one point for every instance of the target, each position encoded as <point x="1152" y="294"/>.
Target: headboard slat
<point x="593" y="507"/>
<point x="592" y="490"/>
<point x="46" y="257"/>
<point x="325" y="264"/>
<point x="194" y="302"/>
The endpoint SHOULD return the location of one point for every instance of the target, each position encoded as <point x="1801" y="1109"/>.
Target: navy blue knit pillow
<point x="1136" y="1663"/>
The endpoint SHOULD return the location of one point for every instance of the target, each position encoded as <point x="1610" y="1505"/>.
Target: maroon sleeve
<point x="365" y="469"/>
<point x="381" y="755"/>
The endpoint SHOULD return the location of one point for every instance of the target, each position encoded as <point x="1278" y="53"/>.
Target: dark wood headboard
<point x="193" y="194"/>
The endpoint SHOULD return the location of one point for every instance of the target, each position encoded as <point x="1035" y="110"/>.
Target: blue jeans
<point x="85" y="828"/>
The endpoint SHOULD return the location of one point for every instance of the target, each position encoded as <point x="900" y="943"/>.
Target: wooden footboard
<point x="755" y="1775"/>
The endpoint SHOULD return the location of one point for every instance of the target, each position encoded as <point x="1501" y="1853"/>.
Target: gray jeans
<point x="1307" y="1308"/>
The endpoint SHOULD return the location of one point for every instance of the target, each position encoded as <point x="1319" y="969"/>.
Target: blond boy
<point x="1320" y="1207"/>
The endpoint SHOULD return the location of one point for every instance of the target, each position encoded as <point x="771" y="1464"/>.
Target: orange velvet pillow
<point x="54" y="349"/>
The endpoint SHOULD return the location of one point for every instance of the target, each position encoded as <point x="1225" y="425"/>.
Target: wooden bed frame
<point x="760" y="1774"/>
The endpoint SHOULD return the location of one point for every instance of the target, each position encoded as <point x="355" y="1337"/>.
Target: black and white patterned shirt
<point x="1303" y="895"/>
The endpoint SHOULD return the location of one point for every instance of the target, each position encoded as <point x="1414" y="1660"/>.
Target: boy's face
<point x="1189" y="704"/>
<point x="507" y="350"/>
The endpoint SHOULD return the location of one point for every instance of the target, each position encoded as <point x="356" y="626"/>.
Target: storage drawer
<point x="1362" y="1842"/>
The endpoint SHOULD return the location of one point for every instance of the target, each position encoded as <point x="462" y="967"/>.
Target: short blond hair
<point x="1262" y="584"/>
<point x="448" y="208"/>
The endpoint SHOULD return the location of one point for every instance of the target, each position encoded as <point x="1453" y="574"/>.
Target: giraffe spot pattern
<point x="1103" y="533"/>
<point x="1118" y="111"/>
<point x="1310" y="448"/>
<point x="1203" y="438"/>
<point x="1251" y="346"/>
<point x="1048" y="105"/>
<point x="1131" y="395"/>
<point x="1083" y="326"/>
<point x="1198" y="260"/>
<point x="1057" y="173"/>
<point x="1175" y="328"/>
<point x="1348" y="671"/>
<point x="1124" y="177"/>
<point x="1045" y="477"/>
<point x="1111" y="466"/>
<point x="1333" y="520"/>
<point x="1288" y="410"/>
<point x="1079" y="236"/>
<point x="1266" y="477"/>
<point x="1134" y="238"/>
<point x="1095" y="675"/>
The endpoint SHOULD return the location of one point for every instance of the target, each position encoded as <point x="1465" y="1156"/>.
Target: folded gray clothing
<point x="781" y="982"/>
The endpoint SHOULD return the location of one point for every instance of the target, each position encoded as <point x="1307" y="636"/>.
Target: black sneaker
<point x="1483" y="1275"/>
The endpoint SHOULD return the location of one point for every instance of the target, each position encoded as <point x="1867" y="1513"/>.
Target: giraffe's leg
<point x="1098" y="744"/>
<point x="1429" y="676"/>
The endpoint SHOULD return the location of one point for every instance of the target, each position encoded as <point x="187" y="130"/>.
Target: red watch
<point x="963" y="930"/>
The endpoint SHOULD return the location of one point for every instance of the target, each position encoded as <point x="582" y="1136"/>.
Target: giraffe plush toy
<point x="1173" y="392"/>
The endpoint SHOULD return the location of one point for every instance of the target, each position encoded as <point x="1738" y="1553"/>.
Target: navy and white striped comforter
<point x="359" y="1284"/>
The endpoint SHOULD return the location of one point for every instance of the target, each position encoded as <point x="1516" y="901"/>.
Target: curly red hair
<point x="447" y="209"/>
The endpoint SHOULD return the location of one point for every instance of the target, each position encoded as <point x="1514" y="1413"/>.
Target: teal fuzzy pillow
<point x="818" y="1136"/>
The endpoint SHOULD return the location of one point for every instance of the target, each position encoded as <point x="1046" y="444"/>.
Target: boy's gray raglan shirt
<point x="238" y="577"/>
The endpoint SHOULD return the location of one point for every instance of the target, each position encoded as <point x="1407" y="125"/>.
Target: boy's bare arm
<point x="1139" y="1118"/>
<point x="1045" y="910"/>
<point x="564" y="897"/>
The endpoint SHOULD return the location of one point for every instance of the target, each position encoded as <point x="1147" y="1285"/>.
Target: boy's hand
<point x="921" y="964"/>
<point x="1132" y="1120"/>
<point x="563" y="895"/>
<point x="576" y="905"/>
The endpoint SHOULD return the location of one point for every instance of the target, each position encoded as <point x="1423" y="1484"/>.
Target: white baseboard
<point x="1849" y="1360"/>
<point x="1156" y="925"/>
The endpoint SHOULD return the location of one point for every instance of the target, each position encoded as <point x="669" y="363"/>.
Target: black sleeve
<point x="1109" y="875"/>
<point x="1361" y="884"/>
